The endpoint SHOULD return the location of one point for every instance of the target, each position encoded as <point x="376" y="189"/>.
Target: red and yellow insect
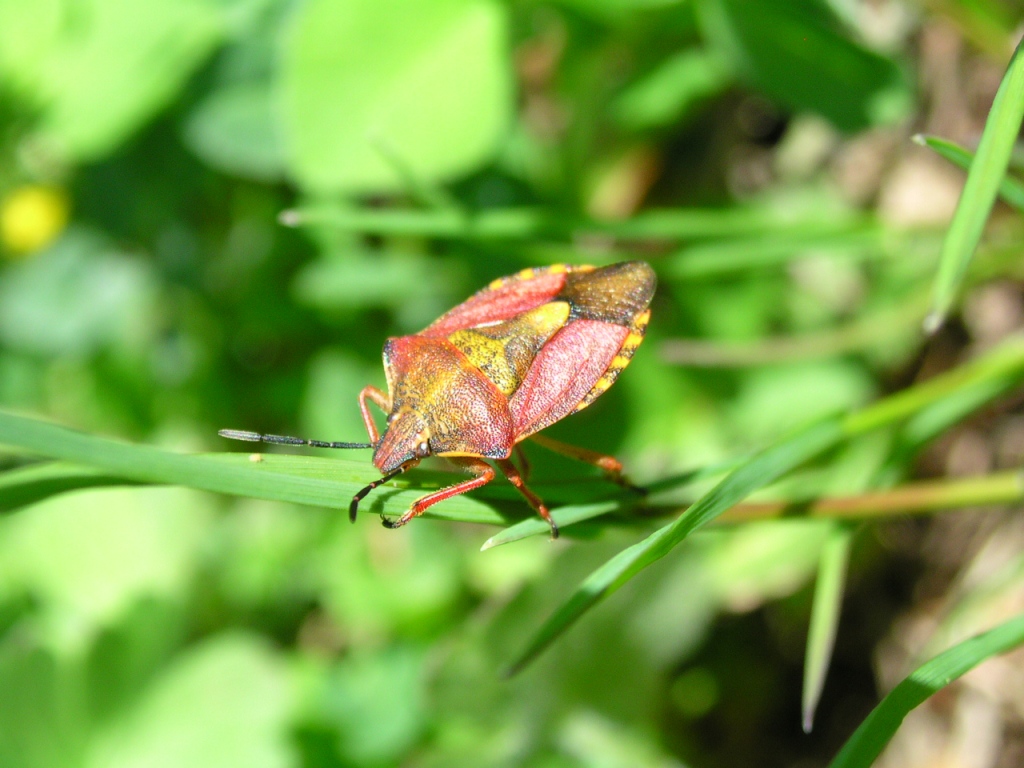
<point x="517" y="356"/>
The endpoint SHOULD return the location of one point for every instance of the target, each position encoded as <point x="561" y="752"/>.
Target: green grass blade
<point x="825" y="611"/>
<point x="756" y="473"/>
<point x="299" y="479"/>
<point x="577" y="513"/>
<point x="27" y="485"/>
<point x="983" y="181"/>
<point x="1005" y="363"/>
<point x="1010" y="189"/>
<point x="531" y="223"/>
<point x="857" y="241"/>
<point x="994" y="372"/>
<point x="868" y="741"/>
<point x="563" y="517"/>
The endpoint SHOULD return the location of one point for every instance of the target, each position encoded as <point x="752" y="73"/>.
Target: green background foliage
<point x="212" y="214"/>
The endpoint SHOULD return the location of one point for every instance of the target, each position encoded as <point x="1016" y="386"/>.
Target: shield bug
<point x="514" y="358"/>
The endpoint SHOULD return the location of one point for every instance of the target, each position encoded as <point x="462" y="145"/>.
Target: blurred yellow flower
<point x="31" y="217"/>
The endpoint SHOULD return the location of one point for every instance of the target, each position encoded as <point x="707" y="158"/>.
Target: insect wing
<point x="607" y="319"/>
<point x="504" y="298"/>
<point x="563" y="373"/>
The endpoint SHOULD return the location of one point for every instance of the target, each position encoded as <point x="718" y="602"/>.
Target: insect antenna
<point x="353" y="508"/>
<point x="256" y="437"/>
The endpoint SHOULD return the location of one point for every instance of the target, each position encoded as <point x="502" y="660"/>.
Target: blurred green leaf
<point x="616" y="11"/>
<point x="360" y="280"/>
<point x="389" y="584"/>
<point x="386" y="688"/>
<point x="224" y="703"/>
<point x="797" y="53"/>
<point x="774" y="398"/>
<point x="98" y="69"/>
<point x="986" y="176"/>
<point x="235" y="130"/>
<point x="75" y="296"/>
<point x="604" y="743"/>
<point x="87" y="557"/>
<point x="430" y="80"/>
<point x="825" y="611"/>
<point x="867" y="742"/>
<point x="671" y="90"/>
<point x="765" y="560"/>
<point x="28" y="33"/>
<point x="36" y="728"/>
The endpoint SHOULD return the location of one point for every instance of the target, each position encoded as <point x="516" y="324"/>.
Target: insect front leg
<point x="612" y="467"/>
<point x="381" y="401"/>
<point x="524" y="461"/>
<point x="516" y="479"/>
<point x="484" y="474"/>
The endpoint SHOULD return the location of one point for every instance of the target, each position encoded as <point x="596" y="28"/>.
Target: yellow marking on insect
<point x="531" y="272"/>
<point x="504" y="351"/>
<point x="630" y="345"/>
<point x="640" y="322"/>
<point x="620" y="361"/>
<point x="598" y="389"/>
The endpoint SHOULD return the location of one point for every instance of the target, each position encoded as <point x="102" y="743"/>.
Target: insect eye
<point x="390" y="418"/>
<point x="423" y="449"/>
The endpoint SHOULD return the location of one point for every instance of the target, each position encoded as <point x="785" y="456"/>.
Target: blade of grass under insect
<point x="576" y="513"/>
<point x="1010" y="189"/>
<point x="926" y="497"/>
<point x="299" y="479"/>
<point x="1006" y="360"/>
<point x="983" y="181"/>
<point x="759" y="471"/>
<point x="563" y="517"/>
<point x="825" y="610"/>
<point x="868" y="741"/>
<point x="27" y="485"/>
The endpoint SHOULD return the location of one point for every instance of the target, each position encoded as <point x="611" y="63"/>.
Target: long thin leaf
<point x="299" y="479"/>
<point x="868" y="741"/>
<point x="929" y="497"/>
<point x="1010" y="189"/>
<point x="1005" y="362"/>
<point x="758" y="472"/>
<point x="983" y="181"/>
<point x="528" y="223"/>
<point x="825" y="610"/>
<point x="27" y="485"/>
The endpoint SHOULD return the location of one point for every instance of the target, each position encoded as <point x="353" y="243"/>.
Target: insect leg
<point x="516" y="479"/>
<point x="353" y="507"/>
<point x="524" y="461"/>
<point x="484" y="474"/>
<point x="381" y="401"/>
<point x="612" y="467"/>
